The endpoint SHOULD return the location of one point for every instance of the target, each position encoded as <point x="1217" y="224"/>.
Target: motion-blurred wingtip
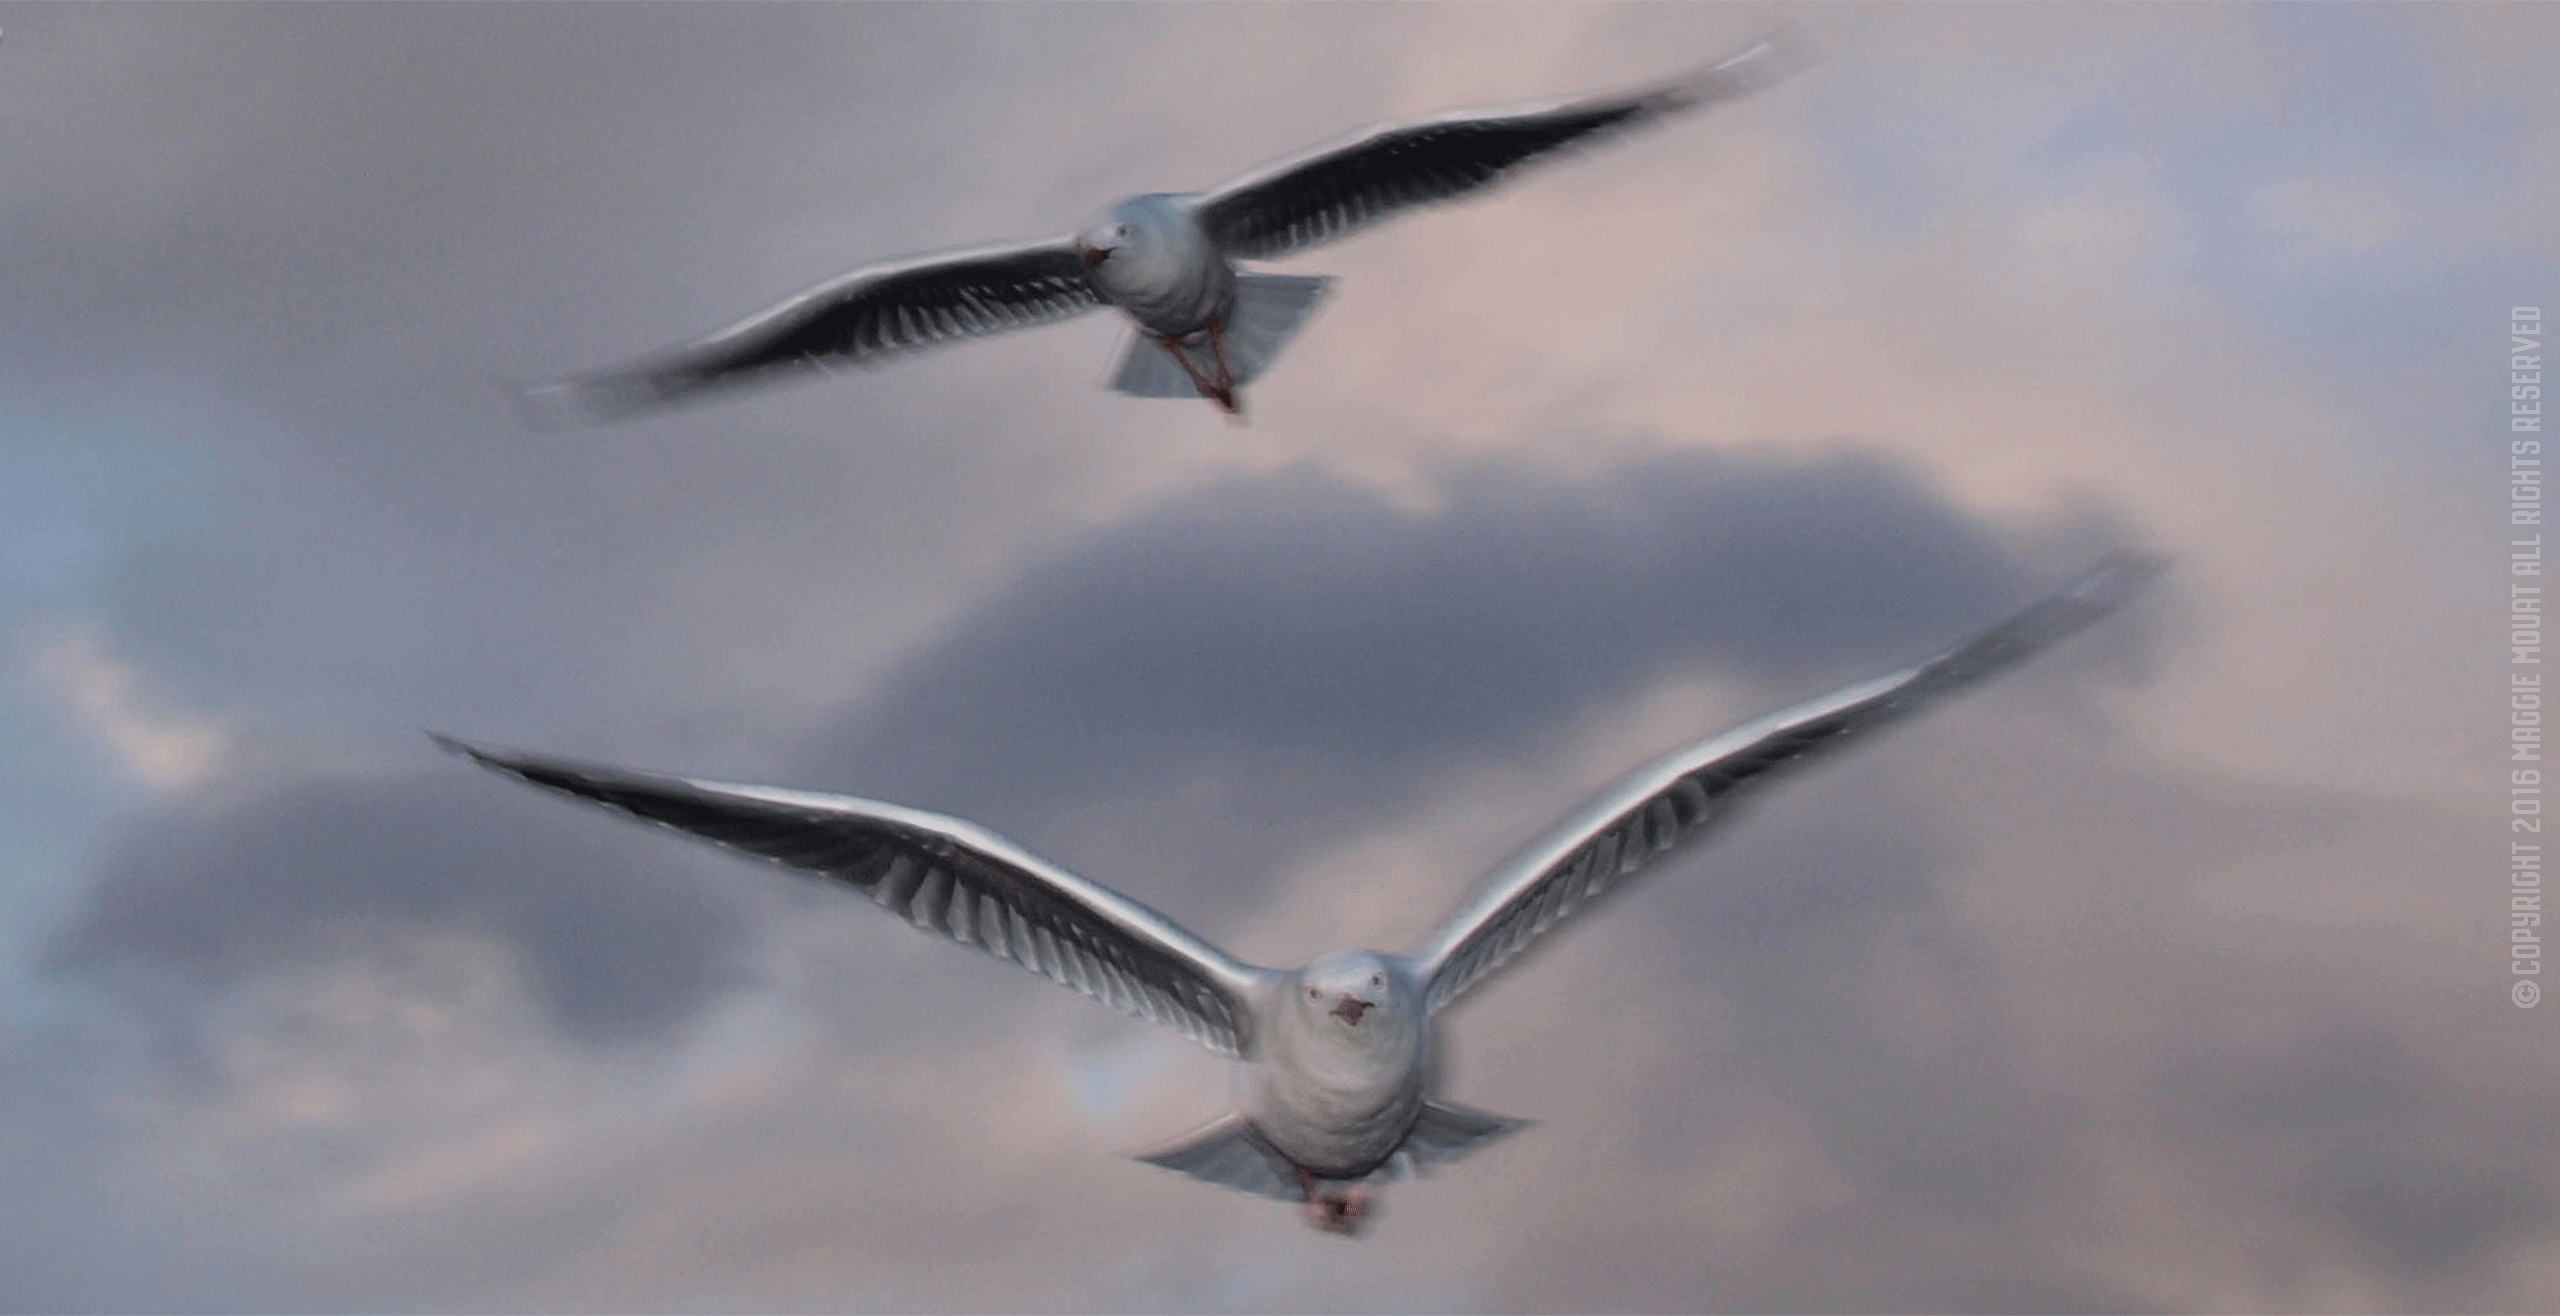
<point x="2122" y="574"/>
<point x="1781" y="53"/>
<point x="495" y="760"/>
<point x="553" y="408"/>
<point x="455" y="746"/>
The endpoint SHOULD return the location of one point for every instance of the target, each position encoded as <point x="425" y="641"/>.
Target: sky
<point x="2169" y="974"/>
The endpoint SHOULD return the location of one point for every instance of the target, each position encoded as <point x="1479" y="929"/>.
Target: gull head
<point x="1101" y="242"/>
<point x="1349" y="989"/>
<point x="1132" y="237"/>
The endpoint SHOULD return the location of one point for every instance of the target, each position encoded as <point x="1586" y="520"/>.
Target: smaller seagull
<point x="1165" y="259"/>
<point x="1336" y="1092"/>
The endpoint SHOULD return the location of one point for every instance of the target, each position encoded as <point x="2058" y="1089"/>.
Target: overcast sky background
<point x="2168" y="975"/>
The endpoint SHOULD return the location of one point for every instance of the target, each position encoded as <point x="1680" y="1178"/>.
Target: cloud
<point x="1300" y="650"/>
<point x="287" y="875"/>
<point x="2355" y="1134"/>
<point x="1197" y="704"/>
<point x="1777" y="1132"/>
<point x="2132" y="984"/>
<point x="1284" y="658"/>
<point x="162" y="746"/>
<point x="2318" y="220"/>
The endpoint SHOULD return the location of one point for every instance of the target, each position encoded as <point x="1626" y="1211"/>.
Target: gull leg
<point x="1225" y="396"/>
<point x="1333" y="1215"/>
<point x="1317" y="1212"/>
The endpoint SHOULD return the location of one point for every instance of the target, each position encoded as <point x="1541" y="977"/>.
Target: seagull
<point x="1336" y="1088"/>
<point x="1167" y="260"/>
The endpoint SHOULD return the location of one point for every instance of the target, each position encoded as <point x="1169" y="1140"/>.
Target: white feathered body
<point x="1337" y="1098"/>
<point x="1164" y="271"/>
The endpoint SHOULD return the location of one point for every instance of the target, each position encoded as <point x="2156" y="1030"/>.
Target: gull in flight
<point x="1335" y="1092"/>
<point x="1167" y="260"/>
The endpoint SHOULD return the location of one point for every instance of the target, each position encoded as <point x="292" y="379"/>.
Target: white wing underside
<point x="947" y="877"/>
<point x="1672" y="802"/>
<point x="883" y="310"/>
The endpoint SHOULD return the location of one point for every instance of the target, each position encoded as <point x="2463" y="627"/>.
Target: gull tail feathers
<point x="1231" y="1153"/>
<point x="1269" y="311"/>
<point x="1446" y="1132"/>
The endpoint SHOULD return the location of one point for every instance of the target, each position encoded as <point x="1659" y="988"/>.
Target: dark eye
<point x="1377" y="980"/>
<point x="1312" y="993"/>
<point x="1120" y="232"/>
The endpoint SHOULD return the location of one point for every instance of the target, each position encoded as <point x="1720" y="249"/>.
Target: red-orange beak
<point x="1349" y="1009"/>
<point x="1094" y="256"/>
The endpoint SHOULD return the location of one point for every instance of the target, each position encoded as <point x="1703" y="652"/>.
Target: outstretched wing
<point x="945" y="876"/>
<point x="854" y="320"/>
<point x="1373" y="174"/>
<point x="1672" y="801"/>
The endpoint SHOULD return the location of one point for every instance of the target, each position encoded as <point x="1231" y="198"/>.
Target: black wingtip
<point x="465" y="749"/>
<point x="532" y="769"/>
<point x="513" y="765"/>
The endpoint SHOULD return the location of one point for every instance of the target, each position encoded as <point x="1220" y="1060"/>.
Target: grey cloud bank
<point x="2148" y="981"/>
<point x="1314" y="651"/>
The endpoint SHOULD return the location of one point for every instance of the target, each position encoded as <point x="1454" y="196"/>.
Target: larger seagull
<point x="1168" y="260"/>
<point x="1337" y="1088"/>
